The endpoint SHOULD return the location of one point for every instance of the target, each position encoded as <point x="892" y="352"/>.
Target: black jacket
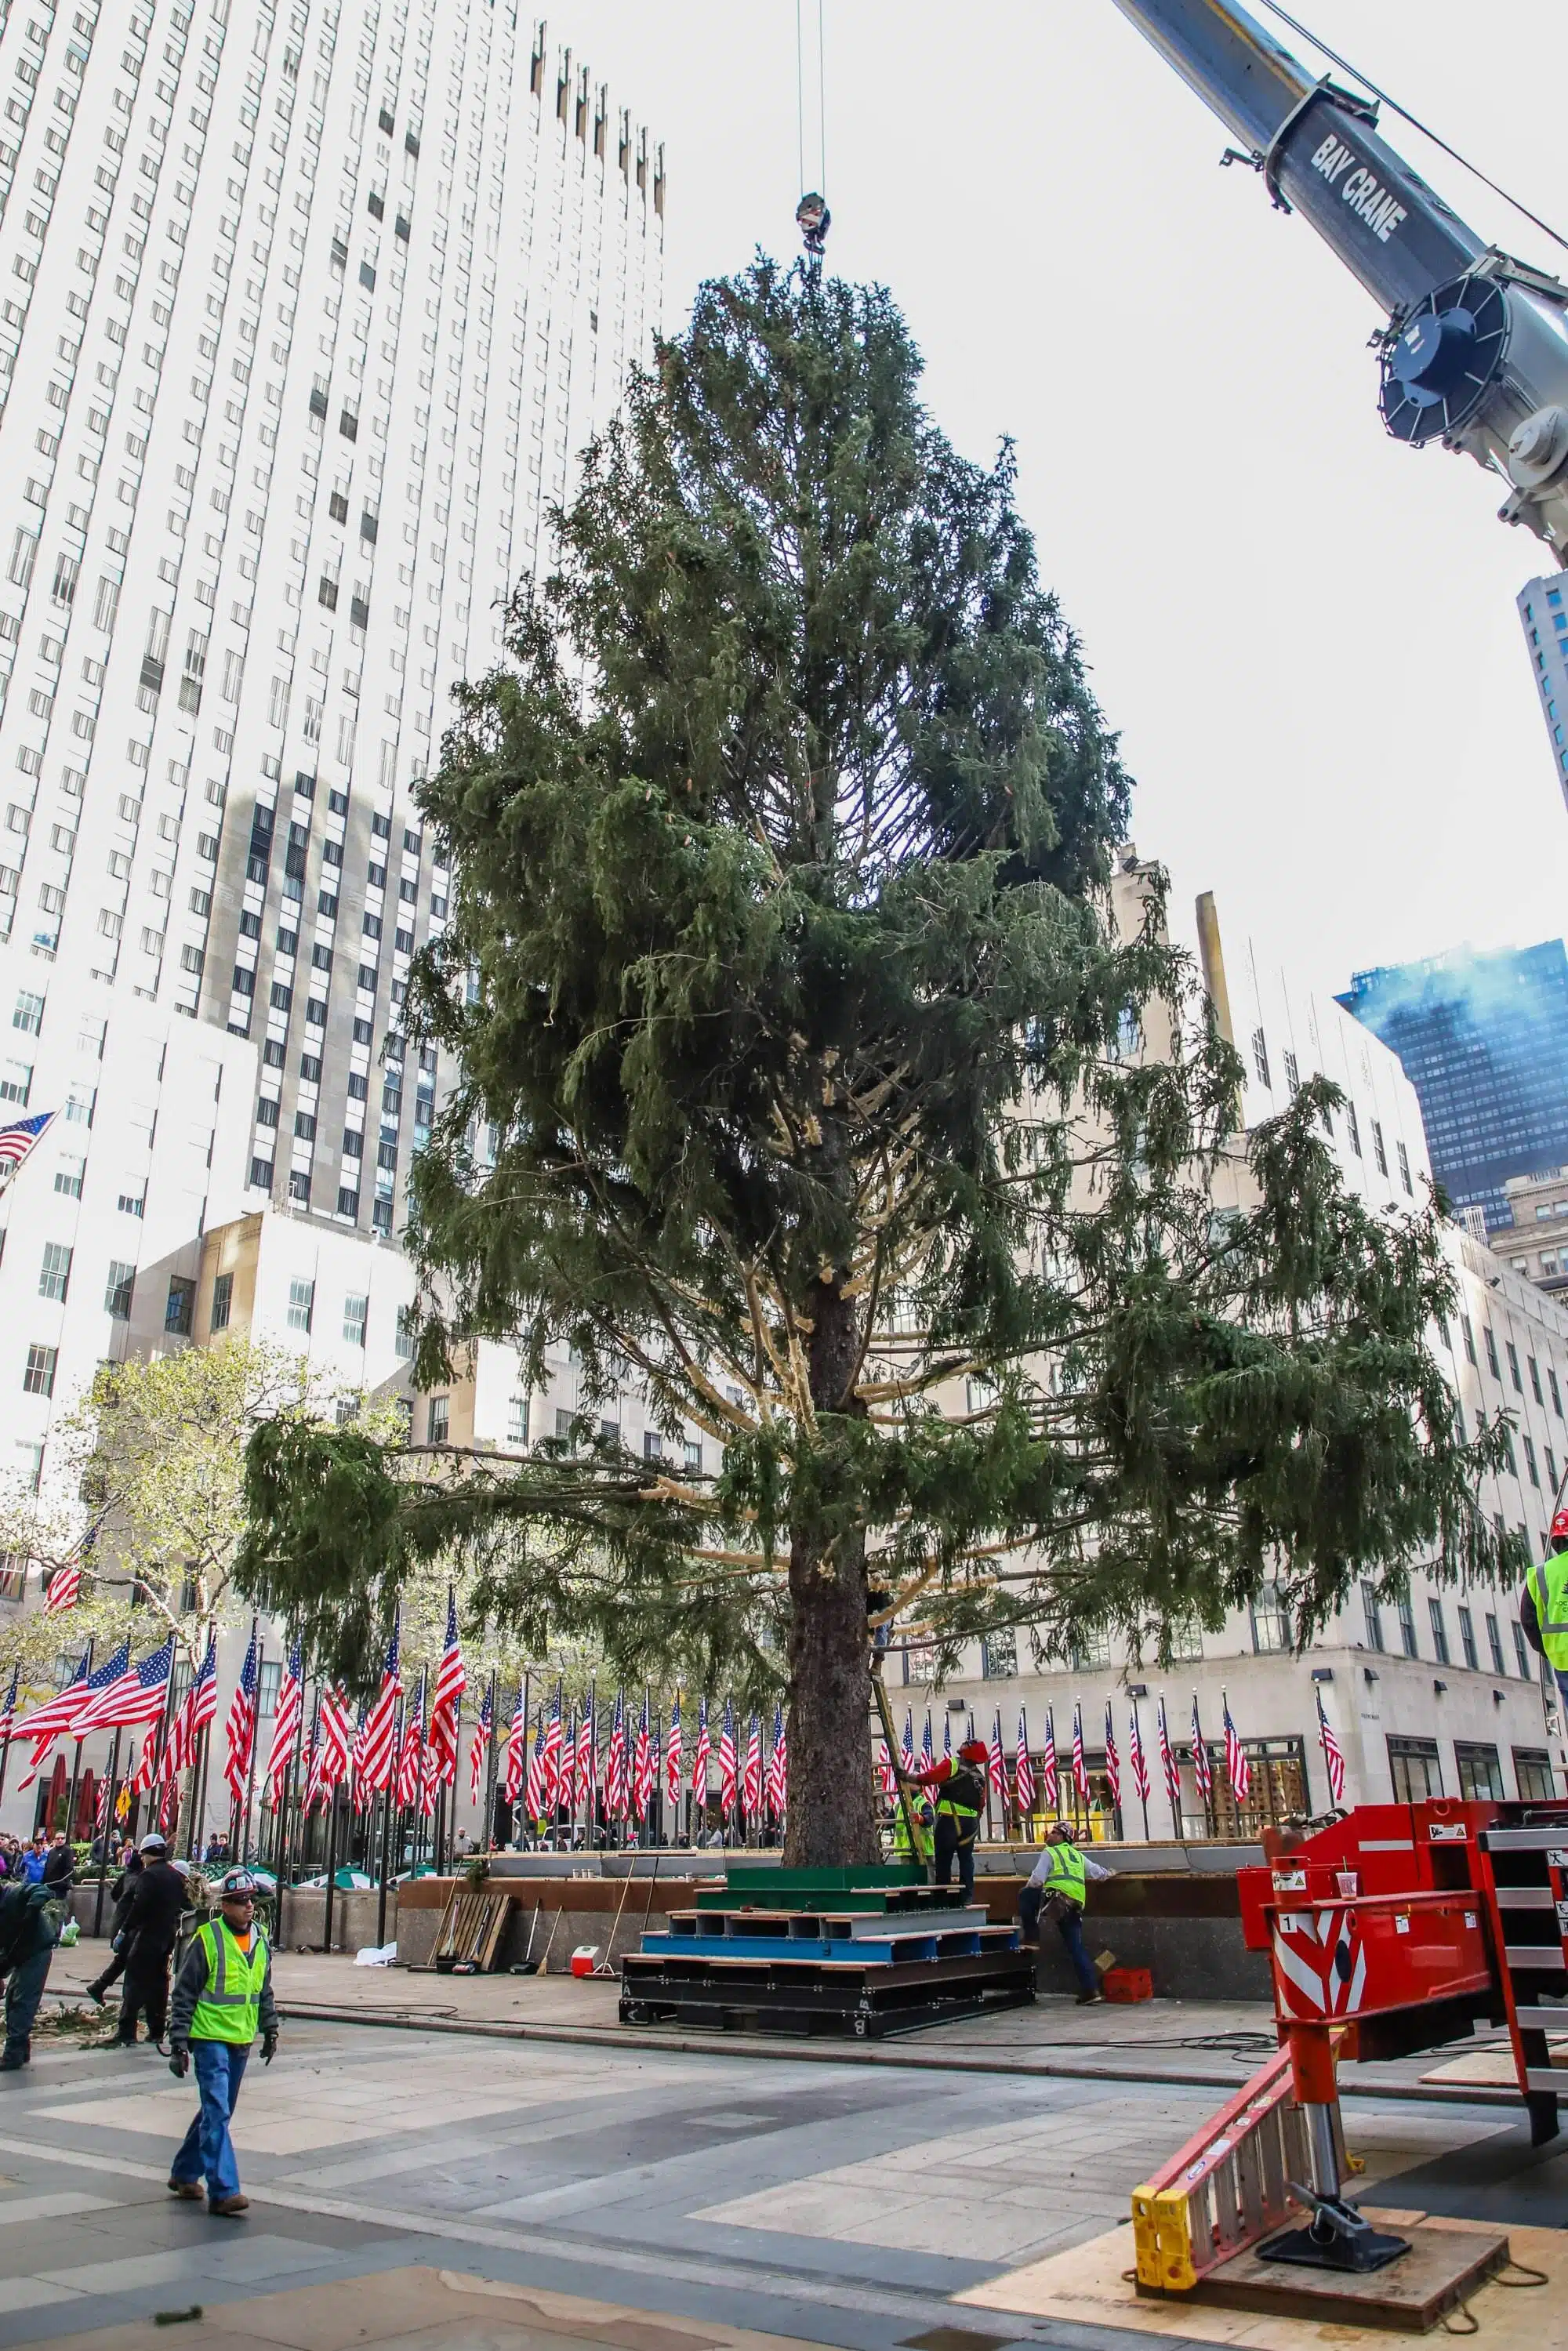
<point x="31" y="1917"/>
<point x="124" y="1886"/>
<point x="158" y="1897"/>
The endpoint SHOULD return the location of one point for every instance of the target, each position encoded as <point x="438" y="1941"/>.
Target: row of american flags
<point x="1030" y="1790"/>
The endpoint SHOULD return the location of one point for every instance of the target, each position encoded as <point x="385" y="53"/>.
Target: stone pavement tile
<point x="54" y="2205"/>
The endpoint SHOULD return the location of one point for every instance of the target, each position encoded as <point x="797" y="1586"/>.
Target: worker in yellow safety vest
<point x="1057" y="1889"/>
<point x="1543" y="1603"/>
<point x="222" y="1999"/>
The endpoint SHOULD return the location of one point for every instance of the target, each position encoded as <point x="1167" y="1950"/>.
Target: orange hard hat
<point x="974" y="1750"/>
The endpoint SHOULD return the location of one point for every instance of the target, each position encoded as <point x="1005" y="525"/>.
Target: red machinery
<point x="1394" y="1930"/>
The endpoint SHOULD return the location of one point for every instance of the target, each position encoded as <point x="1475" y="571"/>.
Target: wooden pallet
<point x="826" y="1926"/>
<point x="866" y="1999"/>
<point x="472" y="1927"/>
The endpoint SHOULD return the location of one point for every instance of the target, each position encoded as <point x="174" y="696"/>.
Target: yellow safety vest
<point x="1066" y="1873"/>
<point x="1549" y="1590"/>
<point x="230" y="2006"/>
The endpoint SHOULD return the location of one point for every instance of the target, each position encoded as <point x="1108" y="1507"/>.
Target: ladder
<point x="1525" y="1877"/>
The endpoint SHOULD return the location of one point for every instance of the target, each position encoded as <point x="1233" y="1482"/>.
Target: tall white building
<point x="1544" y="616"/>
<point x="305" y="312"/>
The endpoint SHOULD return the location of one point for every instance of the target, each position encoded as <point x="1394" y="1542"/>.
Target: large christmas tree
<point x="808" y="1087"/>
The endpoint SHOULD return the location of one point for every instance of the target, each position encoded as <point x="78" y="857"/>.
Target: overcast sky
<point x="1305" y="633"/>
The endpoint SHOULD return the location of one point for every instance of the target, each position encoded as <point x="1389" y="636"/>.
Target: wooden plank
<point x="1443" y="2268"/>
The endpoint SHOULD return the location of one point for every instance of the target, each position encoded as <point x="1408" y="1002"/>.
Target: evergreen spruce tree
<point x="809" y="1087"/>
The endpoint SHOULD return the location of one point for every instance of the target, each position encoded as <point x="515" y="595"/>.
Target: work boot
<point x="1090" y="1999"/>
<point x="14" y="2060"/>
<point x="189" y="2191"/>
<point x="228" y="2208"/>
<point x="95" y="1993"/>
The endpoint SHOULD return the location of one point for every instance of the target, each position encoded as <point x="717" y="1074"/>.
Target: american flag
<point x="378" y="1738"/>
<point x="1113" y="1760"/>
<point x="1203" y="1771"/>
<point x="588" y="1754"/>
<point x="64" y="1587"/>
<point x="451" y="1680"/>
<point x="200" y="1707"/>
<point x="927" y="1752"/>
<point x="480" y="1747"/>
<point x="1023" y="1773"/>
<point x="169" y="1804"/>
<point x="1333" y="1753"/>
<point x="534" y="1781"/>
<point x="642" y="1764"/>
<point x="1169" y="1766"/>
<point x="1050" y="1785"/>
<point x="996" y="1765"/>
<point x="568" y="1790"/>
<point x="906" y="1745"/>
<point x="675" y="1756"/>
<point x="17" y="1139"/>
<point x="411" y="1762"/>
<point x="285" y="1724"/>
<point x="700" y="1757"/>
<point x="50" y="1721"/>
<point x="947" y="1739"/>
<point x="1236" y="1762"/>
<point x="1080" y="1770"/>
<point x="337" y="1739"/>
<point x="310" y="1760"/>
<point x="142" y="1778"/>
<point x="242" y="1725"/>
<point x="100" y="1813"/>
<point x="1135" y="1754"/>
<point x="8" y="1712"/>
<point x="138" y="1696"/>
<point x="728" y="1763"/>
<point x="549" y="1760"/>
<point x="778" y="1768"/>
<point x="518" y="1746"/>
<point x="885" y="1769"/>
<point x="617" y="1787"/>
<point x="428" y="1782"/>
<point x="751" y="1782"/>
<point x="656" y="1737"/>
<point x="359" y="1791"/>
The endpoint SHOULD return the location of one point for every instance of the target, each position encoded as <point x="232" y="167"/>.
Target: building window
<point x="38" y="1379"/>
<point x="13" y="1575"/>
<point x="179" y="1306"/>
<point x="1440" y="1629"/>
<point x="268" y="1681"/>
<point x="1414" y="1769"/>
<point x="1480" y="1771"/>
<point x="1270" y="1621"/>
<point x="1529" y="1462"/>
<point x="1533" y="1771"/>
<point x="1521" y="1651"/>
<point x="439" y="1419"/>
<point x="69" y="1175"/>
<point x="1494" y="1642"/>
<point x="28" y="1014"/>
<point x="1405" y="1168"/>
<point x="302" y="1305"/>
<point x="1555" y="1391"/>
<point x="1374" y="1616"/>
<point x="222" y="1301"/>
<point x="1406" y="1628"/>
<point x="1187" y="1640"/>
<point x="55" y="1273"/>
<point x="563" y="1420"/>
<point x="518" y="1420"/>
<point x="694" y="1456"/>
<point x="652" y="1445"/>
<point x="1468" y="1640"/>
<point x="1470" y="1336"/>
<point x="117" y="1289"/>
<point x="1378" y="1152"/>
<point x="1492" y="1363"/>
<point x="1261" y="1058"/>
<point x="356" y="1317"/>
<point x="1534" y="1370"/>
<point x="16" y="1081"/>
<point x="1513" y="1367"/>
<point x="1090" y="1648"/>
<point x="999" y="1657"/>
<point x="405" y="1340"/>
<point x="1353" y="1123"/>
<point x="1293" y="1075"/>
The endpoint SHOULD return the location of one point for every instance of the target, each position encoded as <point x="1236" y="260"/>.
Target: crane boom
<point x="1475" y="351"/>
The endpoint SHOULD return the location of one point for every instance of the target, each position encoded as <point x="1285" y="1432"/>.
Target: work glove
<point x="180" y="2059"/>
<point x="269" y="2047"/>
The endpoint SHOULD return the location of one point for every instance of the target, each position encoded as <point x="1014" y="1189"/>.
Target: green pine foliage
<point x="810" y="1091"/>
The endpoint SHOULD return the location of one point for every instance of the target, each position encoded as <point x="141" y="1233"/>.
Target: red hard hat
<point x="1560" y="1526"/>
<point x="974" y="1750"/>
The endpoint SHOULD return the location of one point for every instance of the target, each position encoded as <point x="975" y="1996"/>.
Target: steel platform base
<point x="847" y="1998"/>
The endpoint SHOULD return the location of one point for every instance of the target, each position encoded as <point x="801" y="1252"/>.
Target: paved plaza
<point x="419" y="2186"/>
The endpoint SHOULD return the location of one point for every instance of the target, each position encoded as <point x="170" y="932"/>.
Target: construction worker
<point x="1057" y="1889"/>
<point x="902" y="1843"/>
<point x="222" y="1999"/>
<point x="1543" y="1604"/>
<point x="959" y="1785"/>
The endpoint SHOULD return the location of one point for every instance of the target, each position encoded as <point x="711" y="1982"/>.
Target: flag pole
<point x="286" y="1825"/>
<point x="254" y="1742"/>
<point x="75" y="1769"/>
<point x="386" y="1850"/>
<point x="108" y="1817"/>
<point x="489" y="1821"/>
<point x="234" y="1854"/>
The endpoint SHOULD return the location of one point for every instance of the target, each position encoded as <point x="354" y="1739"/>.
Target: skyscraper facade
<point x="305" y="314"/>
<point x="1544" y="616"/>
<point x="1484" y="1040"/>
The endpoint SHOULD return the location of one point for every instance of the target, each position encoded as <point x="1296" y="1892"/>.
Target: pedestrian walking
<point x="31" y="1917"/>
<point x="222" y="1999"/>
<point x="159" y="1896"/>
<point x="1058" y="1888"/>
<point x="124" y="1886"/>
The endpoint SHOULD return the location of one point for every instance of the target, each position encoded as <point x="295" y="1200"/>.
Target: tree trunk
<point x="830" y="1822"/>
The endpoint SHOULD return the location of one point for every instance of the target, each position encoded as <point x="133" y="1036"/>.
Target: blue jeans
<point x="1069" y="1925"/>
<point x="207" y="2152"/>
<point x="24" y="1991"/>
